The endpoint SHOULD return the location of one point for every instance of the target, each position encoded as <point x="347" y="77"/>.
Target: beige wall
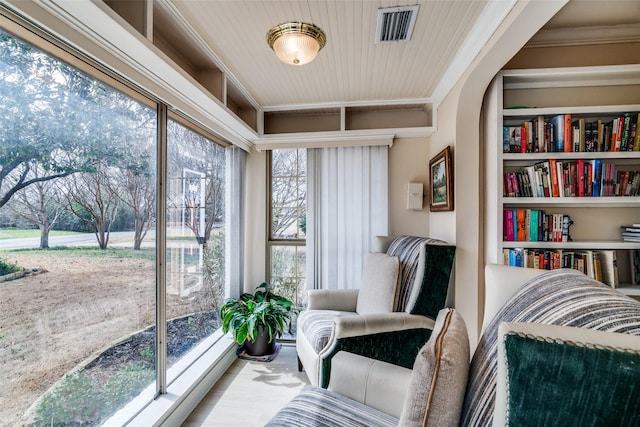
<point x="576" y="56"/>
<point x="408" y="162"/>
<point x="459" y="125"/>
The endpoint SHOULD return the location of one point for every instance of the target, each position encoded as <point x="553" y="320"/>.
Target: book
<point x="508" y="226"/>
<point x="580" y="171"/>
<point x="625" y="129"/>
<point x="506" y="139"/>
<point x="609" y="265"/>
<point x="520" y="225"/>
<point x="533" y="225"/>
<point x="557" y="123"/>
<point x="553" y="170"/>
<point x="596" y="166"/>
<point x="597" y="268"/>
<point x="567" y="222"/>
<point x="635" y="266"/>
<point x="540" y="135"/>
<point x="578" y="135"/>
<point x="636" y="139"/>
<point x="568" y="142"/>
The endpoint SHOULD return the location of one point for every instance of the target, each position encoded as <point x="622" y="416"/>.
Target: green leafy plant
<point x="263" y="309"/>
<point x="8" y="268"/>
<point x="148" y="355"/>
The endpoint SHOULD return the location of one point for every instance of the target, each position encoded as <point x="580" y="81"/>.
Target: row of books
<point x="631" y="233"/>
<point x="560" y="133"/>
<point x="578" y="178"/>
<point x="601" y="265"/>
<point x="532" y="225"/>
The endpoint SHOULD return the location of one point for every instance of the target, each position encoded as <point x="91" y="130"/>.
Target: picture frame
<point x="441" y="182"/>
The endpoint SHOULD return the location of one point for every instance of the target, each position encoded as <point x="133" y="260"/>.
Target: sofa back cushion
<point x="378" y="287"/>
<point x="562" y="297"/>
<point x="437" y="385"/>
<point x="425" y="271"/>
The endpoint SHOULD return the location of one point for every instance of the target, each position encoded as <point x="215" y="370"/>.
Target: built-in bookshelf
<point x="564" y="144"/>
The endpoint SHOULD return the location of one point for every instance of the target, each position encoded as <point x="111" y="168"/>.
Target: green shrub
<point x="8" y="268"/>
<point x="73" y="402"/>
<point x="78" y="401"/>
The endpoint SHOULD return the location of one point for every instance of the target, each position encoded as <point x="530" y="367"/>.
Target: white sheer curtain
<point x="347" y="197"/>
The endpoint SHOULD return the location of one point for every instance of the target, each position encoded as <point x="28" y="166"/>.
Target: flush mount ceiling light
<point x="296" y="43"/>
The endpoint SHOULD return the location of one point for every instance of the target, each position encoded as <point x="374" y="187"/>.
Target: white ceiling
<point x="352" y="68"/>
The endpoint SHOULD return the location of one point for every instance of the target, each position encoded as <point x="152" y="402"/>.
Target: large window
<point x="287" y="223"/>
<point x="195" y="237"/>
<point x="78" y="240"/>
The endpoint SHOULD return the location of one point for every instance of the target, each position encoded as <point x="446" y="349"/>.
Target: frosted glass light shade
<point x="296" y="43"/>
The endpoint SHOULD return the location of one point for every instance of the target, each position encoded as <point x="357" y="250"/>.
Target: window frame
<point x="272" y="241"/>
<point x="201" y="368"/>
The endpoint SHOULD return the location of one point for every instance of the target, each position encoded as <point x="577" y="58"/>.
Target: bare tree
<point x="94" y="198"/>
<point x="288" y="194"/>
<point x="199" y="164"/>
<point x="40" y="203"/>
<point x="139" y="193"/>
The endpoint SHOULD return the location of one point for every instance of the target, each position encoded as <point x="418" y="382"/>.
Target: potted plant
<point x="257" y="319"/>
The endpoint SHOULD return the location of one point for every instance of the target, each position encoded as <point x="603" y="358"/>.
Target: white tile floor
<point x="250" y="393"/>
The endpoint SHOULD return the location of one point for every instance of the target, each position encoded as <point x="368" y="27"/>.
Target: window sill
<point x="193" y="376"/>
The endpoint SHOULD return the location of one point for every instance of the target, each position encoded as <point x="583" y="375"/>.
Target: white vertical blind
<point x="347" y="206"/>
<point x="234" y="217"/>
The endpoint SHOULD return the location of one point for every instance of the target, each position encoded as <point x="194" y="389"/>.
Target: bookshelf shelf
<point x="580" y="245"/>
<point x="631" y="290"/>
<point x="588" y="111"/>
<point x="594" y="97"/>
<point x="527" y="158"/>
<point x="606" y="202"/>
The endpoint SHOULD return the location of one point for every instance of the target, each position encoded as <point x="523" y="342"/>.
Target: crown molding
<point x="628" y="33"/>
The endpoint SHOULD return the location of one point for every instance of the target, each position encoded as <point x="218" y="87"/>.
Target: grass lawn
<point x="94" y="251"/>
<point x="20" y="233"/>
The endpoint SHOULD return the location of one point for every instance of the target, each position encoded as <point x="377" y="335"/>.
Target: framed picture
<point x="441" y="185"/>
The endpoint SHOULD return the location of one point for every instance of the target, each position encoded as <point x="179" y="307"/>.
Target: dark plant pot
<point x="261" y="346"/>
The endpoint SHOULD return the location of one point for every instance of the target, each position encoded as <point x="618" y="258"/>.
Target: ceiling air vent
<point x="395" y="24"/>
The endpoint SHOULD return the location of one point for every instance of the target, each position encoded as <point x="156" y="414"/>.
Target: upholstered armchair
<point x="391" y="315"/>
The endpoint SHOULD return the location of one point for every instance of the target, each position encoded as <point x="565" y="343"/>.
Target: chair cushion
<point x="437" y="386"/>
<point x="414" y="273"/>
<point x="378" y="287"/>
<point x="317" y="326"/>
<point x="319" y="407"/>
<point x="560" y="297"/>
<point x="429" y="295"/>
<point x="550" y="374"/>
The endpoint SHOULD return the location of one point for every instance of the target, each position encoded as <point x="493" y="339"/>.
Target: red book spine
<point x="520" y="223"/>
<point x="580" y="171"/>
<point x="508" y="225"/>
<point x="568" y="134"/>
<point x="553" y="171"/>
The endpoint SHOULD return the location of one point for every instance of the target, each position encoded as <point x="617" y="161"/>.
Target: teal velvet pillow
<point x="556" y="375"/>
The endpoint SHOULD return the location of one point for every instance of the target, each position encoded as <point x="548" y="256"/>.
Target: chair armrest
<point x="333" y="299"/>
<point x="371" y="382"/>
<point x="368" y="324"/>
<point x="390" y="337"/>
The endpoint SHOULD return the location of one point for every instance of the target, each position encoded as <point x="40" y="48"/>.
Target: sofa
<point x="557" y="348"/>
<point x="391" y="314"/>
